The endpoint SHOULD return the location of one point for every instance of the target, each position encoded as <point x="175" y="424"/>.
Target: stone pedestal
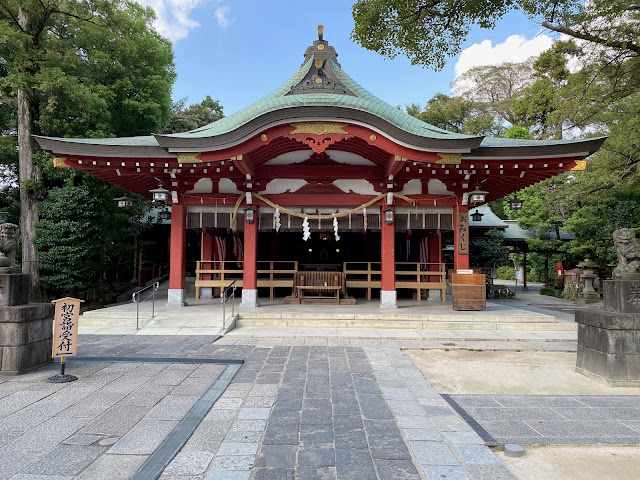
<point x="26" y="333"/>
<point x="14" y="289"/>
<point x="609" y="338"/>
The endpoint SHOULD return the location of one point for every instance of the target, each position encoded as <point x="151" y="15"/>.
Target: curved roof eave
<point x="123" y="147"/>
<point x="514" y="149"/>
<point x="282" y="104"/>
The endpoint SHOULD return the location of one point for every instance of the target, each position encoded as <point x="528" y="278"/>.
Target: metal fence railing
<point x="224" y="297"/>
<point x="136" y="299"/>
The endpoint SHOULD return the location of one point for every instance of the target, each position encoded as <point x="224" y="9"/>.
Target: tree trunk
<point x="546" y="270"/>
<point x="30" y="178"/>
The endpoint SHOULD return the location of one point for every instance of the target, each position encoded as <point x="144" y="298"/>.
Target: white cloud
<point x="173" y="17"/>
<point x="222" y="16"/>
<point x="516" y="48"/>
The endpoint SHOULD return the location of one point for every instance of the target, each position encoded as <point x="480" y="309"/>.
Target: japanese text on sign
<point x="65" y="332"/>
<point x="463" y="232"/>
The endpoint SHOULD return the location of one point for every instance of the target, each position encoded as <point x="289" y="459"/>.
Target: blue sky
<point x="237" y="51"/>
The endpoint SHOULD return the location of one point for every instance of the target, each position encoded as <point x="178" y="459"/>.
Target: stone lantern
<point x="588" y="273"/>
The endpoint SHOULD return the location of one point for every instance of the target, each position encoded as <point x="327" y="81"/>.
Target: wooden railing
<point x="409" y="275"/>
<point x="276" y="274"/>
<point x="271" y="274"/>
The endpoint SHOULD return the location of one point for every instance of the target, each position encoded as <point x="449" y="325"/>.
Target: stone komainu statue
<point x="9" y="234"/>
<point x="628" y="250"/>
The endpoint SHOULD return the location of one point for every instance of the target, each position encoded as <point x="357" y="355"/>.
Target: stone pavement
<point x="299" y="408"/>
<point x="292" y="411"/>
<point x="554" y="419"/>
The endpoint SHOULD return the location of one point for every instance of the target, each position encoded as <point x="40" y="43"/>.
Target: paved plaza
<point x="300" y="407"/>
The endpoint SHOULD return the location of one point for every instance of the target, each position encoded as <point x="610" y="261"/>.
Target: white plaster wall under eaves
<point x="290" y="158"/>
<point x="283" y="185"/>
<point x="349" y="158"/>
<point x="412" y="187"/>
<point x="362" y="187"/>
<point x="204" y="185"/>
<point x="225" y="185"/>
<point x="436" y="187"/>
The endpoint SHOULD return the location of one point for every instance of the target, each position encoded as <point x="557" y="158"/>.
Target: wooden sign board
<point x="463" y="233"/>
<point x="65" y="327"/>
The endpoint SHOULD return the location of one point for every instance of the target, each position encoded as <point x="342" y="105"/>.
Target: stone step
<point x="113" y="319"/>
<point x="399" y="324"/>
<point x="456" y="317"/>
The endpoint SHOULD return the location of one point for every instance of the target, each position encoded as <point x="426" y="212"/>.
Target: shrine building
<point x="320" y="175"/>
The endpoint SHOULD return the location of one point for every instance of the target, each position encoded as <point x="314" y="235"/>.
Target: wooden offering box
<point x="468" y="291"/>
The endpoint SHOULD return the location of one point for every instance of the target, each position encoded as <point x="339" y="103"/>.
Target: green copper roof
<point x="283" y="98"/>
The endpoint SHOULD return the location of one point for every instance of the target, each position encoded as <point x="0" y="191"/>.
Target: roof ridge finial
<point x="320" y="32"/>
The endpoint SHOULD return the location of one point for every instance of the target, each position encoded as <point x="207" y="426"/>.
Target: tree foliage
<point x="428" y="32"/>
<point x="75" y="68"/>
<point x="78" y="68"/>
<point x="197" y="115"/>
<point x="456" y="114"/>
<point x="488" y="250"/>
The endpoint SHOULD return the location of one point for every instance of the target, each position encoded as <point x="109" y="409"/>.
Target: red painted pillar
<point x="177" y="255"/>
<point x="250" y="266"/>
<point x="388" y="264"/>
<point x="461" y="237"/>
<point x="206" y="255"/>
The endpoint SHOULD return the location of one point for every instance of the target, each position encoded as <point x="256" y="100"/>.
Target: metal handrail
<point x="136" y="298"/>
<point x="223" y="298"/>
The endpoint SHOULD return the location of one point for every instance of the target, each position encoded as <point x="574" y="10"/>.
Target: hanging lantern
<point x="164" y="215"/>
<point x="160" y="194"/>
<point x="477" y="216"/>
<point x="249" y="214"/>
<point x="388" y="216"/>
<point x="124" y="202"/>
<point x="515" y="203"/>
<point x="478" y="196"/>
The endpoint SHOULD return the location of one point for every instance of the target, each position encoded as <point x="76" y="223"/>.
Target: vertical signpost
<point x="65" y="335"/>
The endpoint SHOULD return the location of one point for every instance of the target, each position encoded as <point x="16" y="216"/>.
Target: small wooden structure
<point x="320" y="284"/>
<point x="468" y="291"/>
<point x="409" y="275"/>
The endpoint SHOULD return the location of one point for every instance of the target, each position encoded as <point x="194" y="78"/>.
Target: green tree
<point x="541" y="104"/>
<point x="488" y="251"/>
<point x="428" y="32"/>
<point x="195" y="116"/>
<point x="456" y="114"/>
<point x="81" y="68"/>
<point x="495" y="87"/>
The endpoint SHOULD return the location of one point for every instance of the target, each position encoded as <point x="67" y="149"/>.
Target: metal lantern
<point x="160" y="194"/>
<point x="515" y="203"/>
<point x="124" y="202"/>
<point x="478" y="196"/>
<point x="249" y="214"/>
<point x="477" y="216"/>
<point x="388" y="216"/>
<point x="164" y="215"/>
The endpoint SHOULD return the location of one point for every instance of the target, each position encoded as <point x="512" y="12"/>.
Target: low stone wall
<point x="26" y="333"/>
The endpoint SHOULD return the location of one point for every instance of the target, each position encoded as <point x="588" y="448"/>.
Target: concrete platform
<point x="505" y="320"/>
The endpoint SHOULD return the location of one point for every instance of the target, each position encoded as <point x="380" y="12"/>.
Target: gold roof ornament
<point x="320" y="32"/>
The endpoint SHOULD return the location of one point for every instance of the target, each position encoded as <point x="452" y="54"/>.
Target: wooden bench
<point x="319" y="284"/>
<point x="468" y="291"/>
